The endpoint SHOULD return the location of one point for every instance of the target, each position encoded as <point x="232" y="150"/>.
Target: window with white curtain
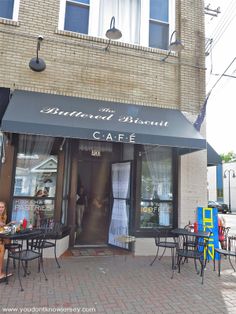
<point x="9" y="9"/>
<point x="156" y="207"/>
<point x="142" y="22"/>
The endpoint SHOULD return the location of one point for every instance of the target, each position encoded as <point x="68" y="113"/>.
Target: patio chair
<point x="196" y="248"/>
<point x="24" y="256"/>
<point x="229" y="251"/>
<point x="165" y="241"/>
<point x="50" y="235"/>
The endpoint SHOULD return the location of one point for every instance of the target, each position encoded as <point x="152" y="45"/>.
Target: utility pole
<point x="212" y="12"/>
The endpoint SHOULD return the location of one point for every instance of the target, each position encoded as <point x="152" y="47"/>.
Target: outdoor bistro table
<point x="26" y="234"/>
<point x="185" y="232"/>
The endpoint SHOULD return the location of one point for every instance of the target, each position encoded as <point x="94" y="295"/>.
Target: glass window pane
<point x="76" y="18"/>
<point x="158" y="35"/>
<point x="154" y="215"/>
<point x="35" y="180"/>
<point x="6" y="8"/>
<point x="34" y="174"/>
<point x="82" y="1"/>
<point x="159" y="10"/>
<point x="156" y="187"/>
<point x="37" y="212"/>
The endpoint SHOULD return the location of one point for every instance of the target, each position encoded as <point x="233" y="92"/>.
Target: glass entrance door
<point x="92" y="223"/>
<point x="119" y="225"/>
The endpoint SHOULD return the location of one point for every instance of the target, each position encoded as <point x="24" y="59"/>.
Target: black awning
<point x="213" y="158"/>
<point x="4" y="99"/>
<point x="71" y="117"/>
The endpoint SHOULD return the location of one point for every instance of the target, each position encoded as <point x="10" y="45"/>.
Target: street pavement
<point x="120" y="284"/>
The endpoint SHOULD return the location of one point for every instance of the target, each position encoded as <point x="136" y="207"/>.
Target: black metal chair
<point x="193" y="249"/>
<point x="24" y="256"/>
<point x="229" y="250"/>
<point x="165" y="241"/>
<point x="50" y="235"/>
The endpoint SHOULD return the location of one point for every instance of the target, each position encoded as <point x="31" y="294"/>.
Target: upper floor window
<point x="9" y="9"/>
<point x="142" y="22"/>
<point x="77" y="16"/>
<point x="159" y="24"/>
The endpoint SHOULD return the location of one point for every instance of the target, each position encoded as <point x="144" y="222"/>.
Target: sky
<point x="221" y="106"/>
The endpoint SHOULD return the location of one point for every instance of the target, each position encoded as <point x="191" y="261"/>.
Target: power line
<point x="224" y="23"/>
<point x="222" y="75"/>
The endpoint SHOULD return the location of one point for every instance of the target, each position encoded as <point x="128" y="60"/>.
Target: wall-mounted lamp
<point x="112" y="32"/>
<point x="175" y="45"/>
<point x="37" y="64"/>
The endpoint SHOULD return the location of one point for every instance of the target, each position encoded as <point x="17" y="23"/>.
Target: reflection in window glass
<point x="35" y="180"/>
<point x="158" y="35"/>
<point x="76" y="18"/>
<point x="36" y="211"/>
<point x="156" y="187"/>
<point x="159" y="24"/>
<point x="159" y="10"/>
<point x="6" y="9"/>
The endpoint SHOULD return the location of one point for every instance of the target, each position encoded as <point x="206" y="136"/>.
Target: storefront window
<point x="35" y="180"/>
<point x="156" y="188"/>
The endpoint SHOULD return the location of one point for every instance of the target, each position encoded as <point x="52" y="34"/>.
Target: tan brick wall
<point x="78" y="65"/>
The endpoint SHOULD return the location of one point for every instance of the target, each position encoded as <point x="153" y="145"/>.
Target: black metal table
<point x="185" y="232"/>
<point x="26" y="234"/>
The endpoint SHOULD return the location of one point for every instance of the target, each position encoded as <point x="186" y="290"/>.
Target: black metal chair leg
<point x="19" y="275"/>
<point x="162" y="254"/>
<point x="155" y="257"/>
<point x="195" y="265"/>
<point x="173" y="262"/>
<point x="41" y="261"/>
<point x="231" y="263"/>
<point x="214" y="261"/>
<point x="202" y="270"/>
<point x="219" y="264"/>
<point x="7" y="266"/>
<point x="55" y="253"/>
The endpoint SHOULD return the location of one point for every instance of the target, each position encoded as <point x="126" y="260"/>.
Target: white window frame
<point x="145" y="17"/>
<point x="93" y="15"/>
<point x="15" y="13"/>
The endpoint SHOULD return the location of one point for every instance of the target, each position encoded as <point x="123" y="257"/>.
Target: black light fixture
<point x="112" y="33"/>
<point x="37" y="64"/>
<point x="175" y="46"/>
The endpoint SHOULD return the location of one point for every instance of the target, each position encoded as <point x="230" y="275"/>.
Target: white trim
<point x="145" y="18"/>
<point x="16" y="8"/>
<point x="62" y="12"/>
<point x="144" y="23"/>
<point x="93" y="18"/>
<point x="172" y="19"/>
<point x="15" y="13"/>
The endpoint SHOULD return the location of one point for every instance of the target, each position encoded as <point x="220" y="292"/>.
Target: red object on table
<point x="195" y="227"/>
<point x="24" y="224"/>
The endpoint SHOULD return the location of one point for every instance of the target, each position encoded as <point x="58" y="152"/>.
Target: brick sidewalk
<point x="121" y="284"/>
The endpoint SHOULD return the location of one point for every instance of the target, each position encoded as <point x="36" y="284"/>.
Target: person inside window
<point x="81" y="205"/>
<point x="39" y="207"/>
<point x="3" y="219"/>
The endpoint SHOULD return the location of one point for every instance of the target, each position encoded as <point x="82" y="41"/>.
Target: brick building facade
<point x="78" y="65"/>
